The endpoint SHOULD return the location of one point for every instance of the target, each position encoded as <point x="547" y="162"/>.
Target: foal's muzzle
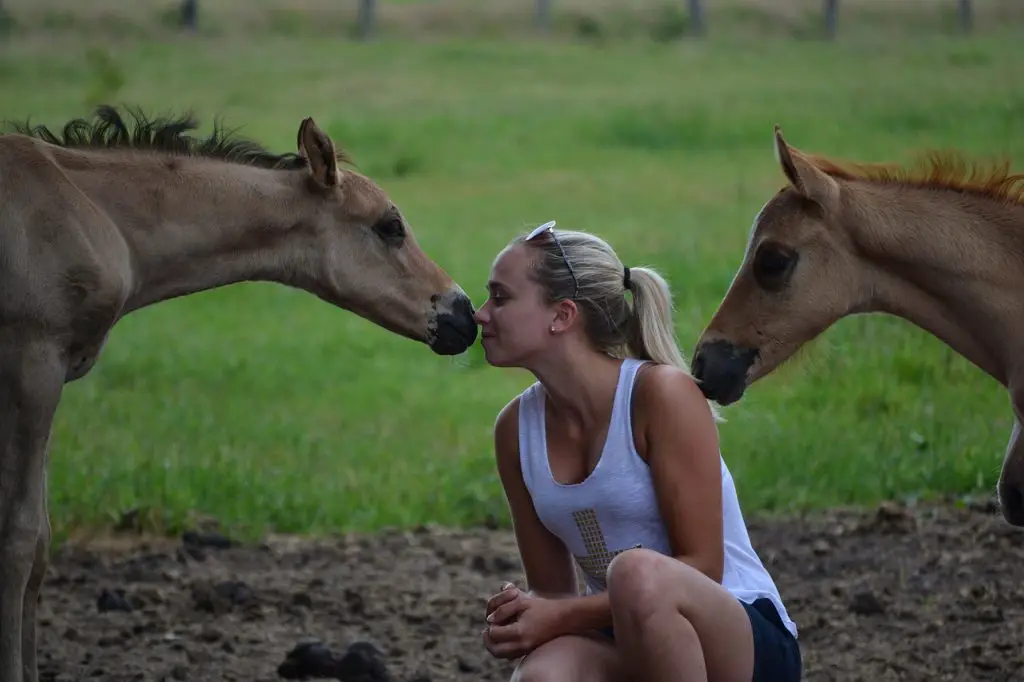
<point x="455" y="329"/>
<point x="721" y="370"/>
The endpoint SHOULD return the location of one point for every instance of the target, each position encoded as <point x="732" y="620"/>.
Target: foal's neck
<point x="952" y="263"/>
<point x="196" y="224"/>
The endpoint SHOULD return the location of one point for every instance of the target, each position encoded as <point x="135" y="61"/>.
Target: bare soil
<point x="930" y="593"/>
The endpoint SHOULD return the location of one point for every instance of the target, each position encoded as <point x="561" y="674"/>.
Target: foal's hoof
<point x="308" y="659"/>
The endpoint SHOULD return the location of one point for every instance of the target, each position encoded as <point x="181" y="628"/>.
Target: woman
<point x="610" y="462"/>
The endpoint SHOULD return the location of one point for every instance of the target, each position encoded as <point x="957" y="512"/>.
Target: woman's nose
<point x="481" y="316"/>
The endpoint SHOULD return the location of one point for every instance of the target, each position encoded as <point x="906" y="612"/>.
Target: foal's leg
<point x="1011" y="478"/>
<point x="31" y="381"/>
<point x="35" y="584"/>
<point x="1010" y="489"/>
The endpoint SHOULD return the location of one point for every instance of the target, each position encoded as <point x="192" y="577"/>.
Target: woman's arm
<point x="548" y="565"/>
<point x="521" y="621"/>
<point x="679" y="439"/>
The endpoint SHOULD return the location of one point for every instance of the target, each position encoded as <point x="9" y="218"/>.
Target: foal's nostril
<point x="720" y="369"/>
<point x="697" y="366"/>
<point x="456" y="327"/>
<point x="463" y="307"/>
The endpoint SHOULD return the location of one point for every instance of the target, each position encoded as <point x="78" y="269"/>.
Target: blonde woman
<point x="610" y="462"/>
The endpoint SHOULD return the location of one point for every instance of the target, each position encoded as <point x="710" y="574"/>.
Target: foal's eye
<point x="772" y="266"/>
<point x="390" y="230"/>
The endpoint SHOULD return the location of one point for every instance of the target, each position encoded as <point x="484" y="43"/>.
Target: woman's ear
<point x="566" y="314"/>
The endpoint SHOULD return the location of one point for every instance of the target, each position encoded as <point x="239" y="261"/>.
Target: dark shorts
<point x="776" y="651"/>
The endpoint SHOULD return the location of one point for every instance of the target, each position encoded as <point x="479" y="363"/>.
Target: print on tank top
<point x="595" y="563"/>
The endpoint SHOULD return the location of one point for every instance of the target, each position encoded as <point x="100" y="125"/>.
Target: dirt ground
<point x="934" y="593"/>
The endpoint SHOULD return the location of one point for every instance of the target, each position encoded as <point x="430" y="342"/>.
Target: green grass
<point x="263" y="407"/>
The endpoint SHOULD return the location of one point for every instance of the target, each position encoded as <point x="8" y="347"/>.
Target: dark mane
<point x="936" y="169"/>
<point x="109" y="130"/>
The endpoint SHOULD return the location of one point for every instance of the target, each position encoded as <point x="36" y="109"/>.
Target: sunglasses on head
<point x="549" y="228"/>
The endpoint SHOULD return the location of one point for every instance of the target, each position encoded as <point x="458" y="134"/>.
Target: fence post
<point x="965" y="15"/>
<point x="6" y="20"/>
<point x="831" y="18"/>
<point x="190" y="14"/>
<point x="696" y="8"/>
<point x="367" y="19"/>
<point x="542" y="15"/>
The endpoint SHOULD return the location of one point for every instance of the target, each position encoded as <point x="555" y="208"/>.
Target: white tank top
<point x="615" y="508"/>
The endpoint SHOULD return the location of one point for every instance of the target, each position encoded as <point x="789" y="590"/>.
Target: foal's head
<point x="362" y="255"/>
<point x="799" y="275"/>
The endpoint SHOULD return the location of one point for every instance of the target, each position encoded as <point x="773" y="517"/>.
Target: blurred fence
<point x="694" y="14"/>
<point x="695" y="9"/>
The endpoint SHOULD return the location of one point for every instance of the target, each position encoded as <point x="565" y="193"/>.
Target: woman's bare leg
<point x="672" y="622"/>
<point x="571" y="658"/>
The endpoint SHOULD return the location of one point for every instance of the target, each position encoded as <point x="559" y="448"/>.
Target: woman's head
<point x="550" y="284"/>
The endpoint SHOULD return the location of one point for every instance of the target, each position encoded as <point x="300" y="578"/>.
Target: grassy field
<point x="266" y="409"/>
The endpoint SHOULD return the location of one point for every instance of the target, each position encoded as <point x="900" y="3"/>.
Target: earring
<point x="552" y="329"/>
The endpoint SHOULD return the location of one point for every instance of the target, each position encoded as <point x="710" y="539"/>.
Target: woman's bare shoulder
<point x="665" y="395"/>
<point x="506" y="431"/>
<point x="659" y="385"/>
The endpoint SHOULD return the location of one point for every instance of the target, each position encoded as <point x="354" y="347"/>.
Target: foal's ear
<point x="316" y="146"/>
<point x="805" y="177"/>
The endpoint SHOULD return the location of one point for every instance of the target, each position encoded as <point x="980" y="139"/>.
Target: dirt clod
<point x="308" y="659"/>
<point x="112" y="600"/>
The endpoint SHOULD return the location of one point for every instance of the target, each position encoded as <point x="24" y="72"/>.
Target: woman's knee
<point x="566" y="659"/>
<point x="641" y="582"/>
<point x="534" y="668"/>
<point x="635" y="577"/>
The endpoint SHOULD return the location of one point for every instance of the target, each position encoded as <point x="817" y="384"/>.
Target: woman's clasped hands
<point x="519" y="622"/>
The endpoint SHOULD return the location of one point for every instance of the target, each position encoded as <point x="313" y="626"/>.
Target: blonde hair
<point x="596" y="280"/>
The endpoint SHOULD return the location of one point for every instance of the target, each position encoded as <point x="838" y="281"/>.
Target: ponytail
<point x="651" y="334"/>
